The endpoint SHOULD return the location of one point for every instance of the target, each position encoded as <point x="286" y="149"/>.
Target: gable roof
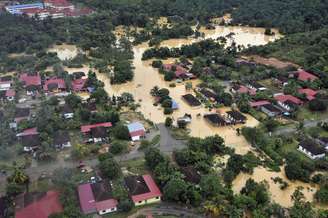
<point x="191" y="100"/>
<point x="310" y="93"/>
<point x="42" y="208"/>
<point x="29" y="79"/>
<point x="99" y="132"/>
<point x="87" y="128"/>
<point x="30" y="140"/>
<point x="236" y="115"/>
<point x="284" y="98"/>
<point x="312" y="147"/>
<point x="78" y="85"/>
<point x="142" y="187"/>
<point x="87" y="200"/>
<point x="54" y="83"/>
<point x="215" y="119"/>
<point x="305" y="76"/>
<point x="27" y="132"/>
<point x="61" y="137"/>
<point x="259" y="103"/>
<point x="272" y="108"/>
<point x="136" y="129"/>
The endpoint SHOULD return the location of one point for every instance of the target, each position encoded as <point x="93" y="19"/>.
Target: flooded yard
<point x="283" y="197"/>
<point x="64" y="51"/>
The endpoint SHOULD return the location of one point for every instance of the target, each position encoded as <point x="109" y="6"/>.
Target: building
<point x="58" y="4"/>
<point x="54" y="85"/>
<point x="31" y="82"/>
<point x="8" y="95"/>
<point x="62" y="140"/>
<point x="288" y="102"/>
<point x="208" y="94"/>
<point x="309" y="93"/>
<point x="67" y="112"/>
<point x="37" y="205"/>
<point x="85" y="129"/>
<point x="236" y="117"/>
<point x="137" y="131"/>
<point x="99" y="134"/>
<point x="142" y="189"/>
<point x="256" y="86"/>
<point x="311" y="149"/>
<point x="259" y="104"/>
<point x="97" y="198"/>
<point x="191" y="100"/>
<point x="5" y="85"/>
<point x="271" y="110"/>
<point x="27" y="132"/>
<point x="324" y="142"/>
<point x="79" y="85"/>
<point x="30" y="143"/>
<point x="22" y="114"/>
<point x="17" y="9"/>
<point x="215" y="119"/>
<point x="240" y="89"/>
<point x="304" y="76"/>
<point x="175" y="105"/>
<point x="180" y="72"/>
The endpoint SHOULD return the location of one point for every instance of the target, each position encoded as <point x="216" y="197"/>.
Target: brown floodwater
<point x="64" y="51"/>
<point x="283" y="197"/>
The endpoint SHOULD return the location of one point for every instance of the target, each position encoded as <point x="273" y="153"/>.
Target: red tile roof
<point x="180" y="71"/>
<point x="10" y="93"/>
<point x="310" y="93"/>
<point x="46" y="206"/>
<point x="30" y="131"/>
<point x="87" y="200"/>
<point x="259" y="103"/>
<point x="60" y="83"/>
<point x="284" y="98"/>
<point x="244" y="90"/>
<point x="153" y="190"/>
<point x="29" y="80"/>
<point x="105" y="205"/>
<point x="305" y="76"/>
<point x="137" y="133"/>
<point x="87" y="128"/>
<point x="78" y="85"/>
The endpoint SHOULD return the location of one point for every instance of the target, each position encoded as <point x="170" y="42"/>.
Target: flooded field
<point x="64" y="51"/>
<point x="277" y="195"/>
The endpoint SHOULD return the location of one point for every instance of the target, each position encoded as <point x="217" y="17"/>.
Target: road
<point x="167" y="209"/>
<point x="307" y="124"/>
<point x="167" y="145"/>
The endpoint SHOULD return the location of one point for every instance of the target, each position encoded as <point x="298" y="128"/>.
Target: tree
<point x="118" y="147"/>
<point x="110" y="168"/>
<point x="169" y="76"/>
<point x="257" y="191"/>
<point x="301" y="209"/>
<point x="175" y="190"/>
<point x="100" y="95"/>
<point x="168" y="122"/>
<point x="73" y="100"/>
<point x="121" y="132"/>
<point x="211" y="186"/>
<point x="153" y="157"/>
<point x="125" y="205"/>
<point x="317" y="105"/>
<point x="188" y="86"/>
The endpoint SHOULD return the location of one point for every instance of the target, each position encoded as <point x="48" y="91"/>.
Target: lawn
<point x="305" y="114"/>
<point x="136" y="166"/>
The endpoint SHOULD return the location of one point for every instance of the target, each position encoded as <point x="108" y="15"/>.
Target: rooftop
<point x="61" y="137"/>
<point x="99" y="132"/>
<point x="54" y="83"/>
<point x="215" y="119"/>
<point x="87" y="128"/>
<point x="191" y="100"/>
<point x="30" y="140"/>
<point x="272" y="108"/>
<point x="312" y="147"/>
<point x="306" y="76"/>
<point x="22" y="112"/>
<point x="236" y="115"/>
<point x="30" y="79"/>
<point x="284" y="98"/>
<point x="259" y="103"/>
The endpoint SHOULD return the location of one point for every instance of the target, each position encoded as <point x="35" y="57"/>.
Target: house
<point x="5" y="85"/>
<point x="241" y="89"/>
<point x="256" y="86"/>
<point x="142" y="189"/>
<point x="137" y="131"/>
<point x="62" y="140"/>
<point x="17" y="9"/>
<point x="67" y="112"/>
<point x="304" y="76"/>
<point x="236" y="117"/>
<point x="86" y="129"/>
<point x="99" y="134"/>
<point x="288" y="102"/>
<point x="191" y="100"/>
<point x="180" y="72"/>
<point x="324" y="142"/>
<point x="58" y="4"/>
<point x="37" y="205"/>
<point x="175" y="105"/>
<point x="31" y="82"/>
<point x="259" y="104"/>
<point x="208" y="94"/>
<point x="311" y="149"/>
<point x="22" y="114"/>
<point x="215" y="119"/>
<point x="7" y="95"/>
<point x="271" y="110"/>
<point x="54" y="85"/>
<point x="97" y="198"/>
<point x="79" y="85"/>
<point x="90" y="106"/>
<point x="30" y="143"/>
<point x="281" y="80"/>
<point x="27" y="132"/>
<point x="309" y="93"/>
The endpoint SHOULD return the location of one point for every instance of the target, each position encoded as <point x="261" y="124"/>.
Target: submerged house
<point x="30" y="143"/>
<point x="288" y="102"/>
<point x="191" y="100"/>
<point x="271" y="110"/>
<point x="142" y="189"/>
<point x="62" y="140"/>
<point x="54" y="86"/>
<point x="215" y="119"/>
<point x="97" y="198"/>
<point x="236" y="117"/>
<point x="96" y="132"/>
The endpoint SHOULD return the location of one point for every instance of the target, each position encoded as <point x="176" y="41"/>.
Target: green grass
<point x="136" y="166"/>
<point x="286" y="148"/>
<point x="305" y="114"/>
<point x="155" y="140"/>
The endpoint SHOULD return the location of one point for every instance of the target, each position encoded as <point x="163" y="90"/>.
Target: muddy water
<point x="280" y="196"/>
<point x="64" y="51"/>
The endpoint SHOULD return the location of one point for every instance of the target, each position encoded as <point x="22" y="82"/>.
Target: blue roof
<point x="175" y="105"/>
<point x="135" y="127"/>
<point x="24" y="6"/>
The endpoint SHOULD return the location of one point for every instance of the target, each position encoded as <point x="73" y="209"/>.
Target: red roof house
<point x="54" y="85"/>
<point x="30" y="79"/>
<point x="284" y="98"/>
<point x="41" y="208"/>
<point x="310" y="93"/>
<point x="245" y="90"/>
<point x="27" y="132"/>
<point x="257" y="104"/>
<point x="87" y="128"/>
<point x="142" y="189"/>
<point x="180" y="72"/>
<point x="97" y="197"/>
<point x="78" y="85"/>
<point x="305" y="76"/>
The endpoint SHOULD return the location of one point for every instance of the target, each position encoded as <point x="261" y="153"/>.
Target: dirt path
<point x="271" y="62"/>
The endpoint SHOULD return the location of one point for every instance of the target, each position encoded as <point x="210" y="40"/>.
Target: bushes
<point x="317" y="105"/>
<point x="121" y="132"/>
<point x="118" y="147"/>
<point x="297" y="168"/>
